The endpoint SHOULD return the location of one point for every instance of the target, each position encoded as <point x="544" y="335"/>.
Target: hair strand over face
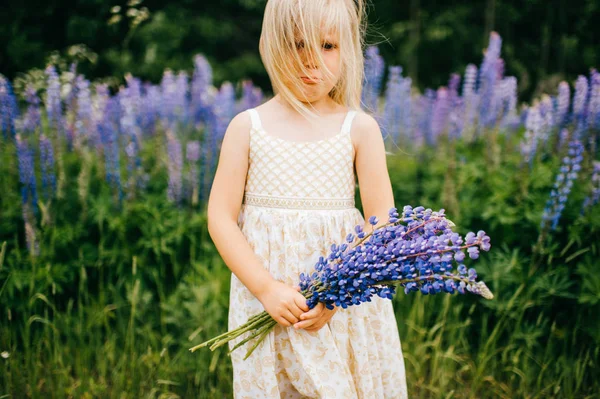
<point x="288" y="23"/>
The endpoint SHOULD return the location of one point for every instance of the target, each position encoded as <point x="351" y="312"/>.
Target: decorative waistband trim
<point x="297" y="203"/>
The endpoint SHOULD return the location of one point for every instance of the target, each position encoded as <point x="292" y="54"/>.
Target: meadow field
<point x="108" y="275"/>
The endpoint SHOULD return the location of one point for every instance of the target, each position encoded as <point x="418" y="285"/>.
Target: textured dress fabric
<point x="298" y="200"/>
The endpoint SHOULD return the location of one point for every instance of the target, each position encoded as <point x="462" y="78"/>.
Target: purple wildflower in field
<point x="70" y="88"/>
<point x="439" y="114"/>
<point x="53" y="102"/>
<point x="201" y="83"/>
<point x="510" y="118"/>
<point x="562" y="104"/>
<point x="108" y="135"/>
<point x="175" y="168"/>
<point x="593" y="112"/>
<point x="456" y="120"/>
<point x="488" y="75"/>
<point x="32" y="117"/>
<point x="83" y="123"/>
<point x="9" y="111"/>
<point x="393" y="103"/>
<point x="99" y="103"/>
<point x="406" y="107"/>
<point x="563" y="138"/>
<point x="562" y="185"/>
<point x="181" y="98"/>
<point x="192" y="154"/>
<point x="533" y="126"/>
<point x="580" y="99"/>
<point x="150" y="107"/>
<point x="224" y="107"/>
<point x="251" y="96"/>
<point x="415" y="250"/>
<point x="168" y="87"/>
<point x="470" y="95"/>
<point x="47" y="163"/>
<point x="547" y="118"/>
<point x="27" y="179"/>
<point x="373" y="79"/>
<point x="594" y="196"/>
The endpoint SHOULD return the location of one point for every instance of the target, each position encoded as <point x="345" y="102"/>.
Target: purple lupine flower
<point x="175" y="167"/>
<point x="26" y="172"/>
<point x="224" y="107"/>
<point x="453" y="85"/>
<point x="562" y="103"/>
<point x="563" y="138"/>
<point x="83" y="121"/>
<point x="151" y="104"/>
<point x="406" y="107"/>
<point x="547" y="118"/>
<point x="488" y="75"/>
<point x="414" y="256"/>
<point x="594" y="197"/>
<point x="9" y="111"/>
<point x="470" y="96"/>
<point x="580" y="100"/>
<point x="192" y="154"/>
<point x="181" y="98"/>
<point x="99" y="103"/>
<point x="70" y="89"/>
<point x="32" y="118"/>
<point x="456" y="120"/>
<point x="251" y="96"/>
<point x="47" y="163"/>
<point x="562" y="185"/>
<point x="393" y="103"/>
<point x="53" y="101"/>
<point x="593" y="112"/>
<point x="511" y="119"/>
<point x="374" y="68"/>
<point x="422" y="120"/>
<point x="169" y="96"/>
<point x="201" y="82"/>
<point x="533" y="124"/>
<point x="439" y="115"/>
<point x="107" y="130"/>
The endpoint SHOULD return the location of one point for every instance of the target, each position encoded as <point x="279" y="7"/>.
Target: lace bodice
<point x="294" y="174"/>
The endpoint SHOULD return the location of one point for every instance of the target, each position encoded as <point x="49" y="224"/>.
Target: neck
<point x="322" y="106"/>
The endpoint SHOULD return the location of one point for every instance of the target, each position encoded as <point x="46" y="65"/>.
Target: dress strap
<point x="348" y="121"/>
<point x="255" y="118"/>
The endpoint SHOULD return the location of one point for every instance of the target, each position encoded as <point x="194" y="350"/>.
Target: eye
<point x="329" y="46"/>
<point x="300" y="44"/>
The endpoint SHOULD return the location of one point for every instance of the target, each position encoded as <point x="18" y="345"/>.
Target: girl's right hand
<point x="284" y="303"/>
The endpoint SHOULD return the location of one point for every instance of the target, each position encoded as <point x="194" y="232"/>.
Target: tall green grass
<point x="120" y="292"/>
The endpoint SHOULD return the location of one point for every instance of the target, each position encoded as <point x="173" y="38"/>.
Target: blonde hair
<point x="286" y="20"/>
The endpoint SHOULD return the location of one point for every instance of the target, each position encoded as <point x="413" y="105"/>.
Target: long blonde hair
<point x="285" y="20"/>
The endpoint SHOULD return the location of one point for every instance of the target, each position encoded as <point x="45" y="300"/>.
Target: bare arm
<point x="224" y="204"/>
<point x="284" y="303"/>
<point x="371" y="168"/>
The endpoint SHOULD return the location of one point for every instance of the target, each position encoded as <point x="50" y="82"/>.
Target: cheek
<point x="333" y="64"/>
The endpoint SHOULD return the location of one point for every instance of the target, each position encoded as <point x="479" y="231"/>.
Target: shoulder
<point x="365" y="129"/>
<point x="238" y="130"/>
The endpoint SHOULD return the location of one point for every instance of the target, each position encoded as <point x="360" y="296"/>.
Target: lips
<point x="307" y="79"/>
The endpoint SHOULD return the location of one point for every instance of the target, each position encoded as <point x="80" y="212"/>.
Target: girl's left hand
<point x="315" y="318"/>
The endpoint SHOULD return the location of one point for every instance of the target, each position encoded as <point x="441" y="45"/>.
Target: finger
<point x="305" y="324"/>
<point x="300" y="301"/>
<point x="315" y="327"/>
<point x="314" y="312"/>
<point x="283" y="322"/>
<point x="289" y="316"/>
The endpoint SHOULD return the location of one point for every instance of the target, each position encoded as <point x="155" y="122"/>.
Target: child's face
<point x="317" y="84"/>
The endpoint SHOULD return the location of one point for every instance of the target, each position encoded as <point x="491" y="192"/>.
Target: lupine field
<point x="108" y="275"/>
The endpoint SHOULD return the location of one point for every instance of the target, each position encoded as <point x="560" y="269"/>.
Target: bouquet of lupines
<point x="416" y="251"/>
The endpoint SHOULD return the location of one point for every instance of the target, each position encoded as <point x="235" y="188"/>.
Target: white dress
<point x="299" y="199"/>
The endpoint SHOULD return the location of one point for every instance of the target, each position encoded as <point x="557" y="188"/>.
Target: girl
<point x="284" y="192"/>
